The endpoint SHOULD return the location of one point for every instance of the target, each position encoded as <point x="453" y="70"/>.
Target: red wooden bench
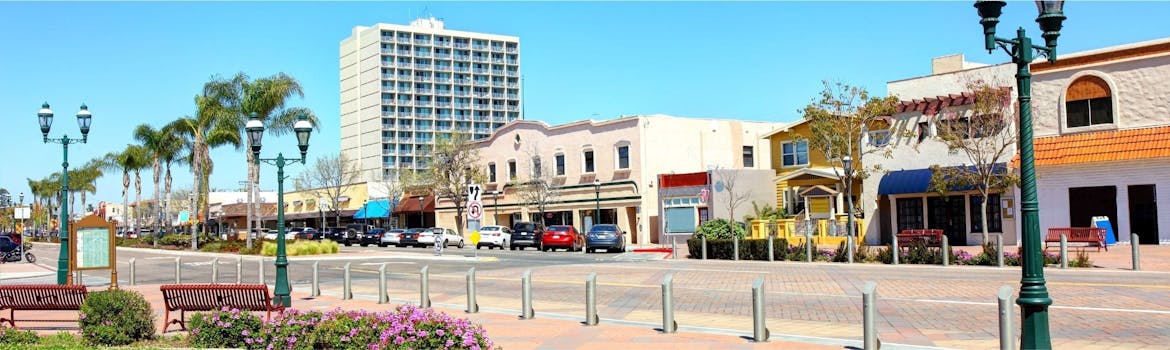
<point x="1092" y="236"/>
<point x="39" y="297"/>
<point x="209" y="297"/>
<point x="931" y="237"/>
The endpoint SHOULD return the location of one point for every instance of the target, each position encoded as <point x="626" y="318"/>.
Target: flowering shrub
<point x="223" y="329"/>
<point x="406" y="327"/>
<point x="116" y="317"/>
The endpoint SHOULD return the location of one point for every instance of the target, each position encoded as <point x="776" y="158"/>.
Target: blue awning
<point x="374" y="209"/>
<point x="918" y="181"/>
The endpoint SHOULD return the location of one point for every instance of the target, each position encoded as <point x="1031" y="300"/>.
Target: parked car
<point x="608" y="237"/>
<point x="293" y="232"/>
<point x="335" y="233"/>
<point x="526" y="234"/>
<point x="411" y="237"/>
<point x="373" y="236"/>
<point x="310" y="234"/>
<point x="446" y="236"/>
<point x="494" y="236"/>
<point x="391" y="237"/>
<point x="561" y="236"/>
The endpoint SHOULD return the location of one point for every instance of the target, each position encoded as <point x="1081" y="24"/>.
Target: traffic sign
<point x="474" y="192"/>
<point x="474" y="211"/>
<point x="474" y="237"/>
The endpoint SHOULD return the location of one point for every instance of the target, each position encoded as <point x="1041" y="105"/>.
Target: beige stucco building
<point x="611" y="164"/>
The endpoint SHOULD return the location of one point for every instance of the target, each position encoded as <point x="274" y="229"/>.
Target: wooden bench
<point x="1092" y="236"/>
<point x="39" y="297"/>
<point x="209" y="297"/>
<point x="930" y="237"/>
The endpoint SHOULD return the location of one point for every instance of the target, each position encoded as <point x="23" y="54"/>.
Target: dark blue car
<point x="608" y="237"/>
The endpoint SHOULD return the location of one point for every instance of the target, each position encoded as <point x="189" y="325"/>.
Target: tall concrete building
<point x="403" y="87"/>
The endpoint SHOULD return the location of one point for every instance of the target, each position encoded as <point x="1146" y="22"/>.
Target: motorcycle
<point x="14" y="255"/>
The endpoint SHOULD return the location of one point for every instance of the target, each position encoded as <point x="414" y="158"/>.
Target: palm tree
<point x="83" y="181"/>
<point x="130" y="159"/>
<point x="161" y="148"/>
<point x="213" y="125"/>
<point x="265" y="98"/>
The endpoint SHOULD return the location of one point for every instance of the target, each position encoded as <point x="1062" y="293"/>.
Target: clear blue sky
<point x="138" y="63"/>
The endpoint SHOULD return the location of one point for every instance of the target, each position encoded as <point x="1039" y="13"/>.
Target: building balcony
<point x="442" y="55"/>
<point x="422" y="41"/>
<point x="463" y="129"/>
<point x="442" y="43"/>
<point x="481" y="94"/>
<point x="512" y="85"/>
<point x="462" y="105"/>
<point x="497" y="119"/>
<point x="404" y="77"/>
<point x="390" y="164"/>
<point x="463" y="57"/>
<point x="422" y="54"/>
<point x="443" y="79"/>
<point x="442" y="104"/>
<point x="443" y="117"/>
<point x="389" y="152"/>
<point x="404" y="89"/>
<point x="511" y="50"/>
<point x="511" y="61"/>
<point x="405" y="102"/>
<point x="460" y="93"/>
<point x="513" y="108"/>
<point x="498" y="48"/>
<point x="461" y="45"/>
<point x="498" y="60"/>
<point x="481" y="83"/>
<point x="483" y="131"/>
<point x="406" y="152"/>
<point x="405" y="127"/>
<point x="462" y="69"/>
<point x="387" y="88"/>
<point x="423" y="91"/>
<point x="498" y="83"/>
<point x="444" y="67"/>
<point x="463" y="118"/>
<point x="387" y="102"/>
<point x="404" y="52"/>
<point x="388" y="51"/>
<point x="513" y="96"/>
<point x="424" y="127"/>
<point x="479" y="47"/>
<point x="405" y="140"/>
<point x="387" y="139"/>
<point x="422" y="103"/>
<point x="497" y="107"/>
<point x="497" y="95"/>
<point x="479" y="59"/>
<point x="422" y="66"/>
<point x="403" y="40"/>
<point x="479" y="71"/>
<point x="497" y="72"/>
<point x="404" y="114"/>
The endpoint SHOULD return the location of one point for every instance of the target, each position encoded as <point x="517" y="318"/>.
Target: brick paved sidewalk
<point x="506" y="330"/>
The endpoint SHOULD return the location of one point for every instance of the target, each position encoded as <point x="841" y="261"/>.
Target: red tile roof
<point x="1113" y="145"/>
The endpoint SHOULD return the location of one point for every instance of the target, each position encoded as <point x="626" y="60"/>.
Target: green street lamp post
<point x="45" y="119"/>
<point x="1034" y="299"/>
<point x="597" y="200"/>
<point x="255" y="130"/>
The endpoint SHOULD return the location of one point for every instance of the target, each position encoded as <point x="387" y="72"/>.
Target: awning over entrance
<point x="918" y="181"/>
<point x="410" y="205"/>
<point x="374" y="209"/>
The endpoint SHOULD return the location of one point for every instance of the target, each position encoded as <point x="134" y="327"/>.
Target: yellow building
<point x="308" y="207"/>
<point x="808" y="188"/>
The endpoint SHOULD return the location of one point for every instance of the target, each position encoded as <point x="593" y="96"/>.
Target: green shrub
<point x="116" y="317"/>
<point x="11" y="336"/>
<point x="718" y="229"/>
<point x="301" y="248"/>
<point x="127" y="242"/>
<point x="181" y="241"/>
<point x="225" y="328"/>
<point x="749" y="249"/>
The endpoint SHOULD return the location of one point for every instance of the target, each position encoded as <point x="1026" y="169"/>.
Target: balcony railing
<point x="461" y="45"/>
<point x="481" y="94"/>
<point x="479" y="59"/>
<point x="497" y="95"/>
<point x="513" y="85"/>
<point x="498" y="83"/>
<point x="513" y="96"/>
<point x="389" y="152"/>
<point x="423" y="91"/>
<point x="497" y="72"/>
<point x="424" y="127"/>
<point x="498" y="119"/>
<point x="462" y="105"/>
<point x="442" y="55"/>
<point x="422" y="41"/>
<point x="442" y="78"/>
<point x="511" y="49"/>
<point x="483" y="106"/>
<point x="481" y="83"/>
<point x="422" y="66"/>
<point x="460" y="93"/>
<point x="403" y="77"/>
<point x="443" y="67"/>
<point x="498" y="48"/>
<point x="422" y="54"/>
<point x="497" y="107"/>
<point x="405" y="114"/>
<point x="404" y="140"/>
<point x="511" y="74"/>
<point x="463" y="129"/>
<point x="387" y="102"/>
<point x="479" y="47"/>
<point x="479" y="71"/>
<point x="483" y="131"/>
<point x="403" y="89"/>
<point x="422" y="103"/>
<point x="387" y="88"/>
<point x="498" y="60"/>
<point x="406" y="152"/>
<point x="443" y="116"/>
<point x="513" y="108"/>
<point x="462" y="57"/>
<point x="388" y="51"/>
<point x="511" y="61"/>
<point x="442" y="104"/>
<point x="404" y="52"/>
<point x="390" y="164"/>
<point x="463" y="118"/>
<point x="462" y="69"/>
<point x="404" y="40"/>
<point x="443" y="43"/>
<point x="405" y="102"/>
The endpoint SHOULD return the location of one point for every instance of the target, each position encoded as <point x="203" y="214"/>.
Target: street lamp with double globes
<point x="1034" y="299"/>
<point x="255" y="130"/>
<point x="45" y="119"/>
<point x="847" y="164"/>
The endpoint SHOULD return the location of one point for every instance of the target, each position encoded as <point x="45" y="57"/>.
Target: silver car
<point x="392" y="237"/>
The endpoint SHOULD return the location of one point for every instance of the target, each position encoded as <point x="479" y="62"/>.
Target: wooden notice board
<point x="92" y="247"/>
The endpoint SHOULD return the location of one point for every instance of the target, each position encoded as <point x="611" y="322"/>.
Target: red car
<point x="561" y="236"/>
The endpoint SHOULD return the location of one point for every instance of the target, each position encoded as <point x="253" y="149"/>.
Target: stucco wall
<point x="1138" y="88"/>
<point x="756" y="184"/>
<point x="1054" y="182"/>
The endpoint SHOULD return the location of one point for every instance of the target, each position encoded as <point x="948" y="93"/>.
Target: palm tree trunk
<point x="138" y="196"/>
<point x="125" y="200"/>
<point x="155" y="170"/>
<point x="248" y="187"/>
<point x="166" y="209"/>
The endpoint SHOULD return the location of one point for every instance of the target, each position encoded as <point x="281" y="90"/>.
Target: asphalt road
<point x="402" y="263"/>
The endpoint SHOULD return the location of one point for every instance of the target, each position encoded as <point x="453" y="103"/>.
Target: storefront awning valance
<point x="374" y="209"/>
<point x="918" y="181"/>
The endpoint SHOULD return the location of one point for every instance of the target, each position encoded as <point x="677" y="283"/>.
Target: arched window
<point x="1088" y="102"/>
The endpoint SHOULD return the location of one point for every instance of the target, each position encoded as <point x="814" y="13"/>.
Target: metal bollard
<point x="1137" y="252"/>
<point x="946" y="251"/>
<point x="1006" y="339"/>
<point x="132" y="270"/>
<point x="178" y="273"/>
<point x="215" y="270"/>
<point x="808" y="248"/>
<point x="1063" y="251"/>
<point x="383" y="296"/>
<point x="424" y="286"/>
<point x="869" y="315"/>
<point x="771" y="250"/>
<point x="668" y="324"/>
<point x="239" y="270"/>
<point x="674" y="248"/>
<point x="849" y="248"/>
<point x="759" y="328"/>
<point x="526" y="312"/>
<point x="347" y="290"/>
<point x="735" y="245"/>
<point x="78" y="276"/>
<point x="999" y="250"/>
<point x="472" y="305"/>
<point x="260" y="266"/>
<point x="704" y="249"/>
<point x="591" y="299"/>
<point x="315" y="290"/>
<point x="896" y="254"/>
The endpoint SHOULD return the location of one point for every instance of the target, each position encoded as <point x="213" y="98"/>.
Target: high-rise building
<point x="403" y="87"/>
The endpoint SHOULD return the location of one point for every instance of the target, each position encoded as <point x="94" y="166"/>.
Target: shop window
<point x="909" y="213"/>
<point x="994" y="215"/>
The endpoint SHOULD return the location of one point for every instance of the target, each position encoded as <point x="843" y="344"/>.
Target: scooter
<point x="14" y="255"/>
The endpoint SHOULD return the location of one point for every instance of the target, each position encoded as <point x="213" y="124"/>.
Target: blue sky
<point x="142" y="62"/>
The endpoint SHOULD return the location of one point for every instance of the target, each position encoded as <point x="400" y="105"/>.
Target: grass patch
<point x="302" y="248"/>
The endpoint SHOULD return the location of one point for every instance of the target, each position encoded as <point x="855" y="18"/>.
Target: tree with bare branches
<point x="454" y="165"/>
<point x="329" y="178"/>
<point x="728" y="179"/>
<point x="986" y="134"/>
<point x="538" y="188"/>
